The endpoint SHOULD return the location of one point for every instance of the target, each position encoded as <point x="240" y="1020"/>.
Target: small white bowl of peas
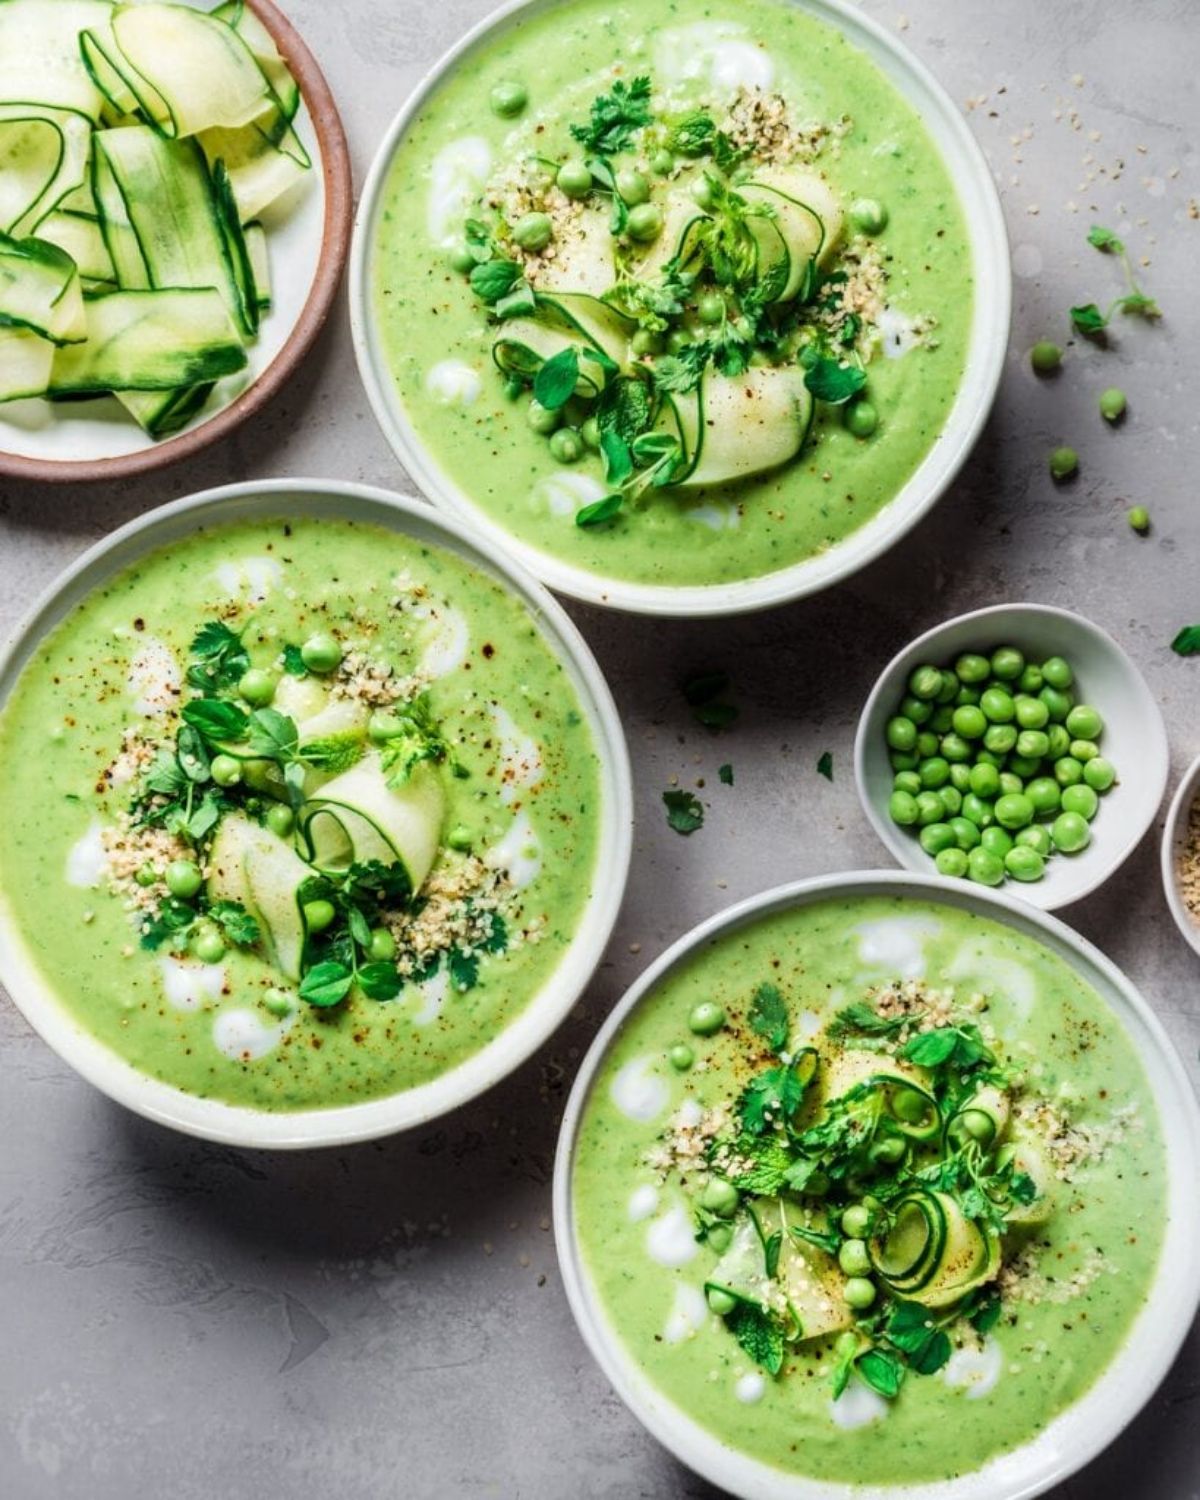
<point x="1017" y="746"/>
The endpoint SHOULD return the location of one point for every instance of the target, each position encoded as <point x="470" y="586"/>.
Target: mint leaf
<point x="769" y="1017"/>
<point x="326" y="984"/>
<point x="555" y="382"/>
<point x="833" y="383"/>
<point x="960" y="1046"/>
<point x="767" y="1165"/>
<point x="1187" y="642"/>
<point x="684" y="812"/>
<point x="759" y="1333"/>
<point x="825" y="766"/>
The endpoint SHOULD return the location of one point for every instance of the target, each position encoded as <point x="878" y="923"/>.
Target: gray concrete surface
<point x="182" y="1321"/>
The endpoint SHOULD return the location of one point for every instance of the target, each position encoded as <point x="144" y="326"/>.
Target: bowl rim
<point x="1174" y="830"/>
<point x="335" y="245"/>
<point x="543" y="1013"/>
<point x="745" y="1476"/>
<point x="987" y="348"/>
<point x="1157" y="766"/>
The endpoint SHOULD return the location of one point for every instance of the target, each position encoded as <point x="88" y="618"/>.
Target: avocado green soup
<point x="675" y="292"/>
<point x="297" y="813"/>
<point x="871" y="1189"/>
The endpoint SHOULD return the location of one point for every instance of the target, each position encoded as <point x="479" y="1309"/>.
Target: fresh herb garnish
<point x="293" y="662"/>
<point x="769" y="1017"/>
<point x="556" y="379"/>
<point x="220" y="658"/>
<point x="759" y="1333"/>
<point x="825" y="766"/>
<point x="615" y="116"/>
<point x="771" y="1097"/>
<point x="702" y="691"/>
<point x="599" y="511"/>
<point x="959" y="1047"/>
<point x="1187" y="642"/>
<point x="834" y="383"/>
<point x="725" y="774"/>
<point x="882" y="1371"/>
<point x="1088" y="318"/>
<point x="684" y="812"/>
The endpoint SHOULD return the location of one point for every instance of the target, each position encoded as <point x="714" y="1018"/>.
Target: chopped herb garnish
<point x="834" y="383"/>
<point x="1187" y="642"/>
<point x="725" y="774"/>
<point x="769" y="1017"/>
<point x="684" y="812"/>
<point x="615" y="116"/>
<point x="759" y="1333"/>
<point x="555" y="382"/>
<point x="825" y="766"/>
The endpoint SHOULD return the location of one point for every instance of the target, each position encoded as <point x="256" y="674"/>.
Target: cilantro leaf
<point x="464" y="970"/>
<point x="172" y="916"/>
<point x="769" y="1017"/>
<point x="680" y="373"/>
<point x="326" y="984"/>
<point x="555" y="382"/>
<point x="235" y="922"/>
<point x="599" y="511"/>
<point x="834" y="383"/>
<point x="961" y="1047"/>
<point x="1187" y="642"/>
<point x="221" y="659"/>
<point x="759" y="1334"/>
<point x="725" y="774"/>
<point x="864" y="1018"/>
<point x="882" y="1371"/>
<point x="615" y="116"/>
<point x="684" y="812"/>
<point x="771" y="1097"/>
<point x="825" y="766"/>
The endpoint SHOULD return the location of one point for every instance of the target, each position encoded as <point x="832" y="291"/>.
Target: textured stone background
<point x="187" y="1321"/>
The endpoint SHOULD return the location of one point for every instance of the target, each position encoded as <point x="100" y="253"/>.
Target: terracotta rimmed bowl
<point x="239" y="1125"/>
<point x="308" y="254"/>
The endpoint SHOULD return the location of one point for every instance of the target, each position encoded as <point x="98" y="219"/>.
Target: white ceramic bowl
<point x="1080" y="1432"/>
<point x="1174" y="836"/>
<point x="240" y="1126"/>
<point x="1134" y="739"/>
<point x="985" y="358"/>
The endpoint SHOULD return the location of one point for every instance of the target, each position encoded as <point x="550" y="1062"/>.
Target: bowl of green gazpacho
<point x="316" y="818"/>
<point x="694" y="308"/>
<point x="875" y="1184"/>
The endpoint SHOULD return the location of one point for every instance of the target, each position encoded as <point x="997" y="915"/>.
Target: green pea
<point x="677" y="341"/>
<point x="1081" y="799"/>
<point x="721" y="1302"/>
<point x="1045" y="794"/>
<point x="183" y="878"/>
<point x="461" y="258"/>
<point x="916" y="709"/>
<point x="146" y="876"/>
<point x="575" y="177"/>
<point x="966" y="833"/>
<point x="1084" y="722"/>
<point x="1058" y="674"/>
<point x="903" y="760"/>
<point x="1068" y="771"/>
<point x="927" y="745"/>
<point x="278" y="1002"/>
<point x="566" y="446"/>
<point x="632" y="186"/>
<point x="856" y="1220"/>
<point x="662" y="163"/>
<point x="1099" y="773"/>
<point x="968" y="695"/>
<point x="508" y="98"/>
<point x="226" y="770"/>
<point x="1045" y="357"/>
<point x="999" y="738"/>
<point x="1139" y="519"/>
<point x="901" y="733"/>
<point x="1060" y="741"/>
<point x="925" y="682"/>
<point x="321" y="654"/>
<point x="907" y="781"/>
<point x="318" y="915"/>
<point x="533" y="231"/>
<point x="382" y="947"/>
<point x="984" y="867"/>
<point x="1024" y="864"/>
<point x="902" y="808"/>
<point x="951" y="800"/>
<point x="858" y="1293"/>
<point x="934" y="771"/>
<point x="868" y="215"/>
<point x="1033" y="744"/>
<point x="989" y="758"/>
<point x="280" y="820"/>
<point x="935" y="837"/>
<point x="711" y="308"/>
<point x="996" y="840"/>
<point x="720" y="1197"/>
<point x="646" y="341"/>
<point x="1063" y="463"/>
<point x="971" y="667"/>
<point x="1070" y="833"/>
<point x="590" y="433"/>
<point x="929" y="809"/>
<point x="542" y="419"/>
<point x="1024" y="766"/>
<point x="1084" y="750"/>
<point x="701" y="191"/>
<point x="952" y="863"/>
<point x="208" y="945"/>
<point x="997" y="705"/>
<point x="1031" y="681"/>
<point x="859" y="417"/>
<point x="970" y="722"/>
<point x="977" y="811"/>
<point x="1058" y="703"/>
<point x="985" y="781"/>
<point x="645" y="223"/>
<point x="1007" y="663"/>
<point x="257" y="687"/>
<point x="706" y="1018"/>
<point x="1011" y="784"/>
<point x="1014" y="810"/>
<point x="853" y="1257"/>
<point x="1112" y="404"/>
<point x="681" y="1057"/>
<point x="960" y="777"/>
<point x="1037" y="837"/>
<point x="1032" y="713"/>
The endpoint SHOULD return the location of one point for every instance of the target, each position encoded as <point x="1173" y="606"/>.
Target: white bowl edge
<point x="1174" y="834"/>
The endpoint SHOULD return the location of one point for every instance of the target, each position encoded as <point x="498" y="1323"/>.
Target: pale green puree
<point x="438" y="336"/>
<point x="1088" y="1267"/>
<point x="396" y="601"/>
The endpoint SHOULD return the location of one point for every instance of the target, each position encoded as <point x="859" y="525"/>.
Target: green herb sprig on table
<point x="1088" y="318"/>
